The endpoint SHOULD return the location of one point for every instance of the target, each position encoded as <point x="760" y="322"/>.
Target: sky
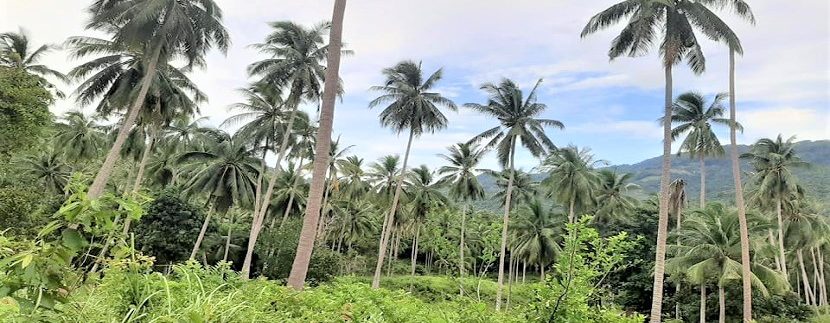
<point x="783" y="79"/>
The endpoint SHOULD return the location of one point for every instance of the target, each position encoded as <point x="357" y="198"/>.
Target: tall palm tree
<point x="712" y="253"/>
<point x="226" y="172"/>
<point x="612" y="196"/>
<point x="163" y="31"/>
<point x="535" y="234"/>
<point x="359" y="221"/>
<point x="17" y="52"/>
<point x="773" y="161"/>
<point x="296" y="65"/>
<point x="413" y="105"/>
<point x="524" y="188"/>
<point x="805" y="230"/>
<point x="425" y="195"/>
<point x="571" y="179"/>
<point x="463" y="158"/>
<point x="79" y="137"/>
<point x="518" y="123"/>
<point x="353" y="177"/>
<point x="677" y="21"/>
<point x="49" y="170"/>
<point x="694" y="119"/>
<point x="743" y="10"/>
<point x="318" y="178"/>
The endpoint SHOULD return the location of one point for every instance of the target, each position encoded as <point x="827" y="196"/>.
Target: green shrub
<point x="168" y="229"/>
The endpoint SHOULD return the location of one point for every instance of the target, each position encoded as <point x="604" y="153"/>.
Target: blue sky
<point x="783" y="79"/>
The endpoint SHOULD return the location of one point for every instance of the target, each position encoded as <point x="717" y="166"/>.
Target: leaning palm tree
<point x="49" y="170"/>
<point x="162" y="31"/>
<point x="773" y="161"/>
<point x="226" y="172"/>
<point x="296" y="64"/>
<point x="518" y="123"/>
<point x="17" y="52"/>
<point x="413" y="106"/>
<point x="572" y="179"/>
<point x="711" y="253"/>
<point x="694" y="119"/>
<point x="676" y="21"/>
<point x="305" y="246"/>
<point x="463" y="158"/>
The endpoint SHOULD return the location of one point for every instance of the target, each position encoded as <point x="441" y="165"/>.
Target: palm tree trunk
<point x="541" y="272"/>
<point x="103" y="176"/>
<point x="746" y="273"/>
<point x="816" y="288"/>
<point x="511" y="275"/>
<point x="721" y="304"/>
<point x="263" y="168"/>
<point x="524" y="271"/>
<point x="291" y="195"/>
<point x="702" y="182"/>
<point x="139" y="177"/>
<point x="202" y="232"/>
<point x="505" y="223"/>
<point x="702" y="303"/>
<point x="822" y="281"/>
<point x="663" y="217"/>
<point x="415" y="249"/>
<point x="256" y="223"/>
<point x="679" y="216"/>
<point x="392" y="253"/>
<point x="805" y="280"/>
<point x="461" y="244"/>
<point x="771" y="239"/>
<point x="325" y="212"/>
<point x="781" y="250"/>
<point x="390" y="218"/>
<point x="571" y="215"/>
<point x="305" y="246"/>
<point x="228" y="239"/>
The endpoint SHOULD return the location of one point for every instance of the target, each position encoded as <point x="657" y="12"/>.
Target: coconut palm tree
<point x="411" y="105"/>
<point x="383" y="174"/>
<point x="805" y="231"/>
<point x="162" y="31"/>
<point x="459" y="175"/>
<point x="49" y="170"/>
<point x="79" y="137"/>
<point x="318" y="178"/>
<point x="773" y="161"/>
<point x="17" y="52"/>
<point x="571" y="178"/>
<point x="425" y="194"/>
<point x="518" y="124"/>
<point x="359" y="221"/>
<point x="612" y="196"/>
<point x="712" y="253"/>
<point x="353" y="177"/>
<point x="535" y="234"/>
<point x="743" y="10"/>
<point x="296" y="64"/>
<point x="226" y="172"/>
<point x="693" y="118"/>
<point x="525" y="189"/>
<point x="677" y="21"/>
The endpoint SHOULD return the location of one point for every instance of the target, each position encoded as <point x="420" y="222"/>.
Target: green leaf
<point x="27" y="259"/>
<point x="72" y="239"/>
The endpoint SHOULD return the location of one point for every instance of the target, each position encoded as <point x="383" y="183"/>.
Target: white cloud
<point x="805" y="124"/>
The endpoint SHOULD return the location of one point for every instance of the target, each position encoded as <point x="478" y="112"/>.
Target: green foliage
<point x="168" y="229"/>
<point x="39" y="273"/>
<point x="279" y="246"/>
<point x="18" y="208"/>
<point x="215" y="294"/>
<point x="432" y="289"/>
<point x="586" y="258"/>
<point x="24" y="110"/>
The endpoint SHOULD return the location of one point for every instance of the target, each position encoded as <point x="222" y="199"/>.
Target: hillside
<point x="815" y="178"/>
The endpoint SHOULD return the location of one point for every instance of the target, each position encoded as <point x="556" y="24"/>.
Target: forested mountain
<point x="816" y="177"/>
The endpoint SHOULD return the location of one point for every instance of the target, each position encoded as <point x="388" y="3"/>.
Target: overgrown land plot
<point x="127" y="196"/>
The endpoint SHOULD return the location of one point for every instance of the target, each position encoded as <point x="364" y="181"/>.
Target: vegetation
<point x="158" y="218"/>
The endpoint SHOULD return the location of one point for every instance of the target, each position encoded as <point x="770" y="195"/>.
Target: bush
<point x="24" y="111"/>
<point x="442" y="288"/>
<point x="169" y="228"/>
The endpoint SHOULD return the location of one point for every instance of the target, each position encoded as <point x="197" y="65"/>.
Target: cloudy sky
<point x="783" y="79"/>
